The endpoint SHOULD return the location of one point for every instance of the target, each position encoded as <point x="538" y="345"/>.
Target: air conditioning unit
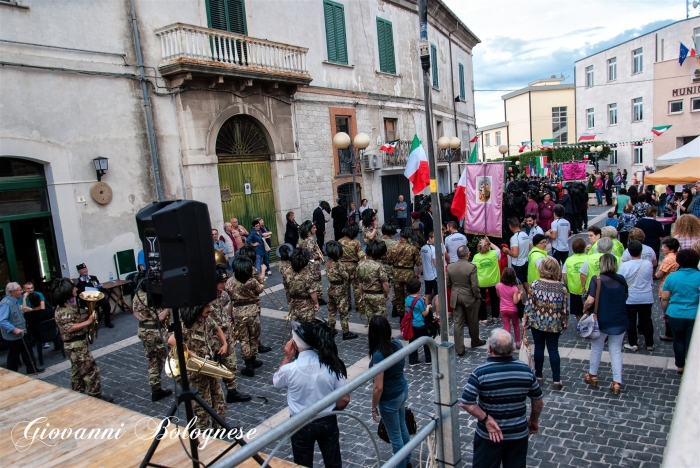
<point x="376" y="161"/>
<point x="695" y="75"/>
<point x="367" y="162"/>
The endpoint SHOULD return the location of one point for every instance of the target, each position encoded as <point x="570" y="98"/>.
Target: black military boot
<point x="107" y="398"/>
<point x="160" y="394"/>
<point x="349" y="336"/>
<point x="264" y="349"/>
<point x="234" y="396"/>
<point x="256" y="362"/>
<point x="249" y="370"/>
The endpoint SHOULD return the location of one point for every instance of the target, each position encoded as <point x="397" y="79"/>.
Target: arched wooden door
<point x="244" y="173"/>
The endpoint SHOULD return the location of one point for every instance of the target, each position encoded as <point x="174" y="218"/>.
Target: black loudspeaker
<point x="179" y="253"/>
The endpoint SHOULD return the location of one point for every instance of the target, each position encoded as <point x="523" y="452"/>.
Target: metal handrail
<point x="412" y="444"/>
<point x="307" y="415"/>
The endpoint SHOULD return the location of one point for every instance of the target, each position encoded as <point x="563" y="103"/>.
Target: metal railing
<point x="215" y="47"/>
<point x="445" y="422"/>
<point x="399" y="156"/>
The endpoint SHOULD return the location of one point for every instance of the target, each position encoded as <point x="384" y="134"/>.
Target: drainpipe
<point x="146" y="101"/>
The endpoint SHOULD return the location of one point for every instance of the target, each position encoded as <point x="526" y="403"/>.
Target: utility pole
<point x="434" y="197"/>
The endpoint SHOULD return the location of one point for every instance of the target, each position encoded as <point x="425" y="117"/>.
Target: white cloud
<point x="526" y="40"/>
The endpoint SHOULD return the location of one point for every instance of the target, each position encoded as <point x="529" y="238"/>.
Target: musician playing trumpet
<point x="72" y="322"/>
<point x="307" y="234"/>
<point x="197" y="326"/>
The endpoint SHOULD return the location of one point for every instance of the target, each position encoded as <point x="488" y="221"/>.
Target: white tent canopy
<point x="679" y="155"/>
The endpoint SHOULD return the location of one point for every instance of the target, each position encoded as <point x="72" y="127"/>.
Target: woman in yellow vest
<point x="488" y="274"/>
<point x="571" y="276"/>
<point x="591" y="267"/>
<point x="593" y="237"/>
<point x="537" y="253"/>
<point x="611" y="233"/>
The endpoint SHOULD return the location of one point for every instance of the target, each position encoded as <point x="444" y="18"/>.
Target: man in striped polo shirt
<point x="495" y="395"/>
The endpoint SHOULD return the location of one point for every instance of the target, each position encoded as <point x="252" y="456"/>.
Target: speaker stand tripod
<point x="188" y="396"/>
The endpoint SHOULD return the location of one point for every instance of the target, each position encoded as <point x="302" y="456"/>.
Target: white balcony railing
<point x="187" y="43"/>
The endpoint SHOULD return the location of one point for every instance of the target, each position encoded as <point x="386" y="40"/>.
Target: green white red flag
<point x="660" y="130"/>
<point x="417" y="170"/>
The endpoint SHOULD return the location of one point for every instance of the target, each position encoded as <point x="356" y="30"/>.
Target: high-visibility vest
<point x="573" y="272"/>
<point x="534" y="255"/>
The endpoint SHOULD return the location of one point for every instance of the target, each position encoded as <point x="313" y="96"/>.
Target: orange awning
<point x="687" y="172"/>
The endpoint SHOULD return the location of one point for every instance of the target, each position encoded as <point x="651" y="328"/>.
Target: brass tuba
<point x="219" y="257"/>
<point x="91" y="297"/>
<point x="195" y="364"/>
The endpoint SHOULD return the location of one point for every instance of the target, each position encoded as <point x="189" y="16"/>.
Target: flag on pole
<point x="417" y="170"/>
<point x="541" y="165"/>
<point x="459" y="202"/>
<point x="524" y="145"/>
<point x="683" y="54"/>
<point x="660" y="130"/>
<point x="473" y="140"/>
<point x="548" y="143"/>
<point x="587" y="136"/>
<point x="472" y="156"/>
<point x="484" y="198"/>
<point x="389" y="146"/>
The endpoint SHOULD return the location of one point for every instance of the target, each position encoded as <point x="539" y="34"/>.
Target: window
<point x="335" y="32"/>
<point x="498" y="138"/>
<point x="695" y="104"/>
<point x="589" y="76"/>
<point x="675" y="107"/>
<point x="662" y="50"/>
<point x="434" y="65"/>
<point x="488" y="139"/>
<point x="559" y="126"/>
<point x="612" y="69"/>
<point x="438" y="128"/>
<point x="385" y="33"/>
<point x="461" y="82"/>
<point x="613" y="157"/>
<point x="696" y="36"/>
<point x="590" y="118"/>
<point x="637" y="61"/>
<point x="612" y="114"/>
<point x="638" y="155"/>
<point x="342" y="124"/>
<point x="637" y="110"/>
<point x="390" y="130"/>
<point x="227" y="15"/>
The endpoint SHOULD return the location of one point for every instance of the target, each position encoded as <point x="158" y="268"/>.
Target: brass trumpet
<point x="91" y="297"/>
<point x="195" y="364"/>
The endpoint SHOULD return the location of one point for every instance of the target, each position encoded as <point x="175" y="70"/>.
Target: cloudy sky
<point x="524" y="40"/>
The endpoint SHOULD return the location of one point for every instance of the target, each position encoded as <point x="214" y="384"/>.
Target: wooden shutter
<point x="236" y="16"/>
<point x="334" y="15"/>
<point x="461" y="82"/>
<point x="227" y="15"/>
<point x="433" y="64"/>
<point x="217" y="14"/>
<point x="385" y="35"/>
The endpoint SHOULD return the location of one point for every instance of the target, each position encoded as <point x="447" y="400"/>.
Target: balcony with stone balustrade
<point x="189" y="52"/>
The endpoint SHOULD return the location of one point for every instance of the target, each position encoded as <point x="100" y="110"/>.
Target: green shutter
<point x="227" y="15"/>
<point x="385" y="35"/>
<point x="461" y="82"/>
<point x="433" y="64"/>
<point x="217" y="14"/>
<point x="236" y="17"/>
<point x="334" y="15"/>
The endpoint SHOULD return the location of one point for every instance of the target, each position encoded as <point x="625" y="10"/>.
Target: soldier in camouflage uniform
<point x="388" y="231"/>
<point x="404" y="257"/>
<point x="285" y="265"/>
<point x="374" y="283"/>
<point x="249" y="252"/>
<point x="352" y="255"/>
<point x="221" y="314"/>
<point x="301" y="295"/>
<point x="152" y="322"/>
<point x="369" y="226"/>
<point x="71" y="322"/>
<point x="197" y="327"/>
<point x="245" y="291"/>
<point x="339" y="289"/>
<point x="307" y="234"/>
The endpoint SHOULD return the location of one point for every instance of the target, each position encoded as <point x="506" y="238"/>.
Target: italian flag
<point x="587" y="136"/>
<point x="472" y="156"/>
<point x="542" y="165"/>
<point x="524" y="145"/>
<point x="459" y="201"/>
<point x="417" y="170"/>
<point x="473" y="140"/>
<point x="389" y="146"/>
<point x="660" y="130"/>
<point x="548" y="143"/>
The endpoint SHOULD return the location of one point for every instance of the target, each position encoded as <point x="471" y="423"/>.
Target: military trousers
<point x="84" y="372"/>
<point x="155" y="353"/>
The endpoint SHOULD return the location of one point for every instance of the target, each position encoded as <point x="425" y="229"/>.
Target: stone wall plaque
<point x="225" y="195"/>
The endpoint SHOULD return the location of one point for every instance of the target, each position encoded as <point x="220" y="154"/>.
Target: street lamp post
<point x="595" y="151"/>
<point x="341" y="140"/>
<point x="449" y="146"/>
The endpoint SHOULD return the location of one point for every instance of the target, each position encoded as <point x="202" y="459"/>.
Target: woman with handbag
<point x="607" y="296"/>
<point x="390" y="389"/>
<point x="547" y="315"/>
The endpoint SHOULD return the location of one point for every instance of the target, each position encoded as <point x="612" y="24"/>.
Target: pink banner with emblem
<point x="574" y="170"/>
<point x="484" y="199"/>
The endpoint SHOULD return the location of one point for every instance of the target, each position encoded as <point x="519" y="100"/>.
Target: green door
<point x="244" y="174"/>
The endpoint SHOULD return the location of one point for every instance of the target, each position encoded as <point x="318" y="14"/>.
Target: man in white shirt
<point x="519" y="249"/>
<point x="531" y="227"/>
<point x="427" y="255"/>
<point x="452" y="242"/>
<point x="559" y="235"/>
<point x="648" y="253"/>
<point x="639" y="274"/>
<point x="307" y="381"/>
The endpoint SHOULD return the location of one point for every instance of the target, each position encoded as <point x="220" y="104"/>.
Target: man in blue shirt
<point x="695" y="206"/>
<point x="256" y="240"/>
<point x="401" y="210"/>
<point x="218" y="243"/>
<point x="13" y="329"/>
<point x="495" y="394"/>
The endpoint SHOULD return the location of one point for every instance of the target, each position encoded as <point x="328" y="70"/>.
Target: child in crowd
<point x="510" y="294"/>
<point x="416" y="305"/>
<point x="627" y="221"/>
<point x="611" y="219"/>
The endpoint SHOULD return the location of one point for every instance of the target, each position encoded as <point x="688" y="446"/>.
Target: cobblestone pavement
<point x="580" y="425"/>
